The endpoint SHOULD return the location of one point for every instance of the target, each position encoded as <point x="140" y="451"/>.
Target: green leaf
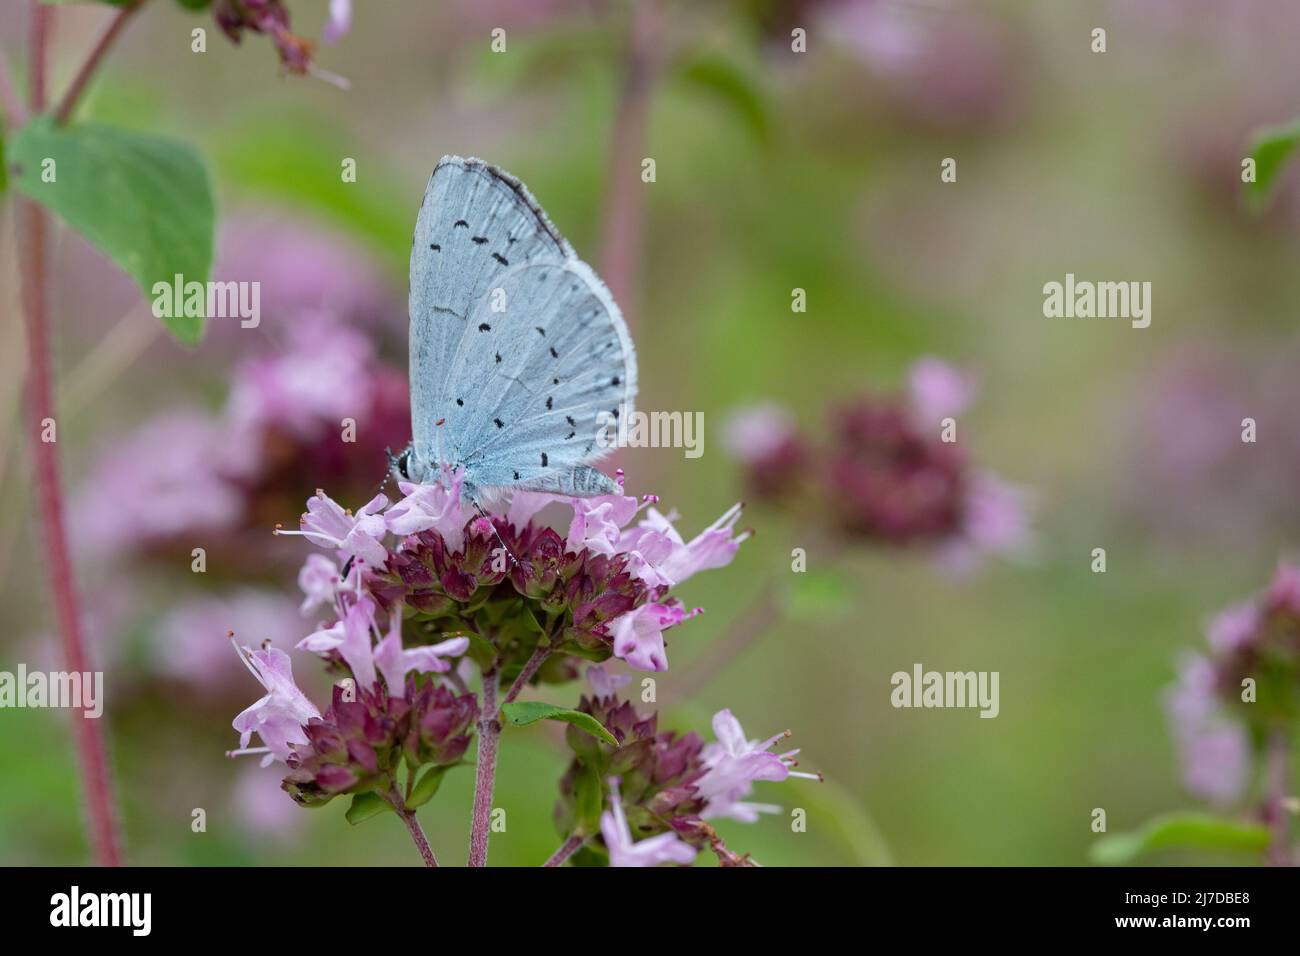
<point x="1270" y="147"/>
<point x="521" y="714"/>
<point x="145" y="202"/>
<point x="1193" y="831"/>
<point x="589" y="799"/>
<point x="366" y="805"/>
<point x="427" y="786"/>
<point x="734" y="87"/>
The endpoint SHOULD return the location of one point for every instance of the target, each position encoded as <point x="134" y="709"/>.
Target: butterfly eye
<point x="401" y="464"/>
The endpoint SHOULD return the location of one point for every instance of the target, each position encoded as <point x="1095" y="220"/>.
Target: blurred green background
<point x="777" y="170"/>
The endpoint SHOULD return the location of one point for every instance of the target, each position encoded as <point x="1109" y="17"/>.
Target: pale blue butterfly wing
<point x="515" y="345"/>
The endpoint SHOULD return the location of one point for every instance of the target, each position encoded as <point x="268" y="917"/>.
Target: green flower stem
<point x="530" y="668"/>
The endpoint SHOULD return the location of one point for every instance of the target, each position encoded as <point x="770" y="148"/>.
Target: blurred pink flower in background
<point x="1213" y="749"/>
<point x="1187" y="474"/>
<point x="1219" y="728"/>
<point x="176" y="474"/>
<point x="191" y="641"/>
<point x="886" y="473"/>
<point x="261" y="806"/>
<point x="305" y="268"/>
<point x="947" y="64"/>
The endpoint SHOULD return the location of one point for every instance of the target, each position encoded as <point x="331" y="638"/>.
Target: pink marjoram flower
<point x="340" y="21"/>
<point x="185" y="648"/>
<point x="937" y="391"/>
<point x="1215" y="761"/>
<point x="262" y="807"/>
<point x="434" y="506"/>
<point x="598" y="523"/>
<point x="734" y="763"/>
<point x="327" y="525"/>
<point x="1232" y="629"/>
<point x="351" y="638"/>
<point x="319" y="581"/>
<point x="394" y="661"/>
<point x="277" y="718"/>
<point x="714" y="547"/>
<point x="605" y="683"/>
<point x="639" y="638"/>
<point x="168" y="478"/>
<point x="1213" y="749"/>
<point x="652" y="851"/>
<point x="758" y="433"/>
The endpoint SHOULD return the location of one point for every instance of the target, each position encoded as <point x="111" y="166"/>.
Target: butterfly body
<point x="519" y="357"/>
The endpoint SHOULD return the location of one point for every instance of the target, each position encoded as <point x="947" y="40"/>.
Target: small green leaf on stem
<point x="523" y="713"/>
<point x="427" y="786"/>
<point x="366" y="805"/>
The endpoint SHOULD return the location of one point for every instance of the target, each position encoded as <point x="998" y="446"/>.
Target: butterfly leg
<point x="491" y="524"/>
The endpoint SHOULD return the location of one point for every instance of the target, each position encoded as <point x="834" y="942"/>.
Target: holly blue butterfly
<point x="520" y="361"/>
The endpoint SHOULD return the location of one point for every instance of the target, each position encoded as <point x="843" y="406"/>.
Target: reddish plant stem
<point x="97" y="53"/>
<point x="33" y="225"/>
<point x="489" y="731"/>
<point x="525" y="675"/>
<point x="412" y="826"/>
<point x="624" y="204"/>
<point x="15" y="115"/>
<point x="566" y="850"/>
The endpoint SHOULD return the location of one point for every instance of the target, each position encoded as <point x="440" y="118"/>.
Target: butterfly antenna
<point x="492" y="524"/>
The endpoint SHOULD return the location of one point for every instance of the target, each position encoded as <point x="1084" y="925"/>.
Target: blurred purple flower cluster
<point x="271" y="17"/>
<point x="888" y="473"/>
<point x="1229" y="702"/>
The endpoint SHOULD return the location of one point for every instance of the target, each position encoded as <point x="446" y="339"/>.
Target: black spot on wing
<point x="500" y="258"/>
<point x="484" y="327"/>
<point x="435" y="247"/>
<point x="545" y="460"/>
<point x="460" y="224"/>
<point x="479" y="240"/>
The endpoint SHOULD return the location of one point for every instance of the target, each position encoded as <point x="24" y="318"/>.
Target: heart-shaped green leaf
<point x="145" y="202"/>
